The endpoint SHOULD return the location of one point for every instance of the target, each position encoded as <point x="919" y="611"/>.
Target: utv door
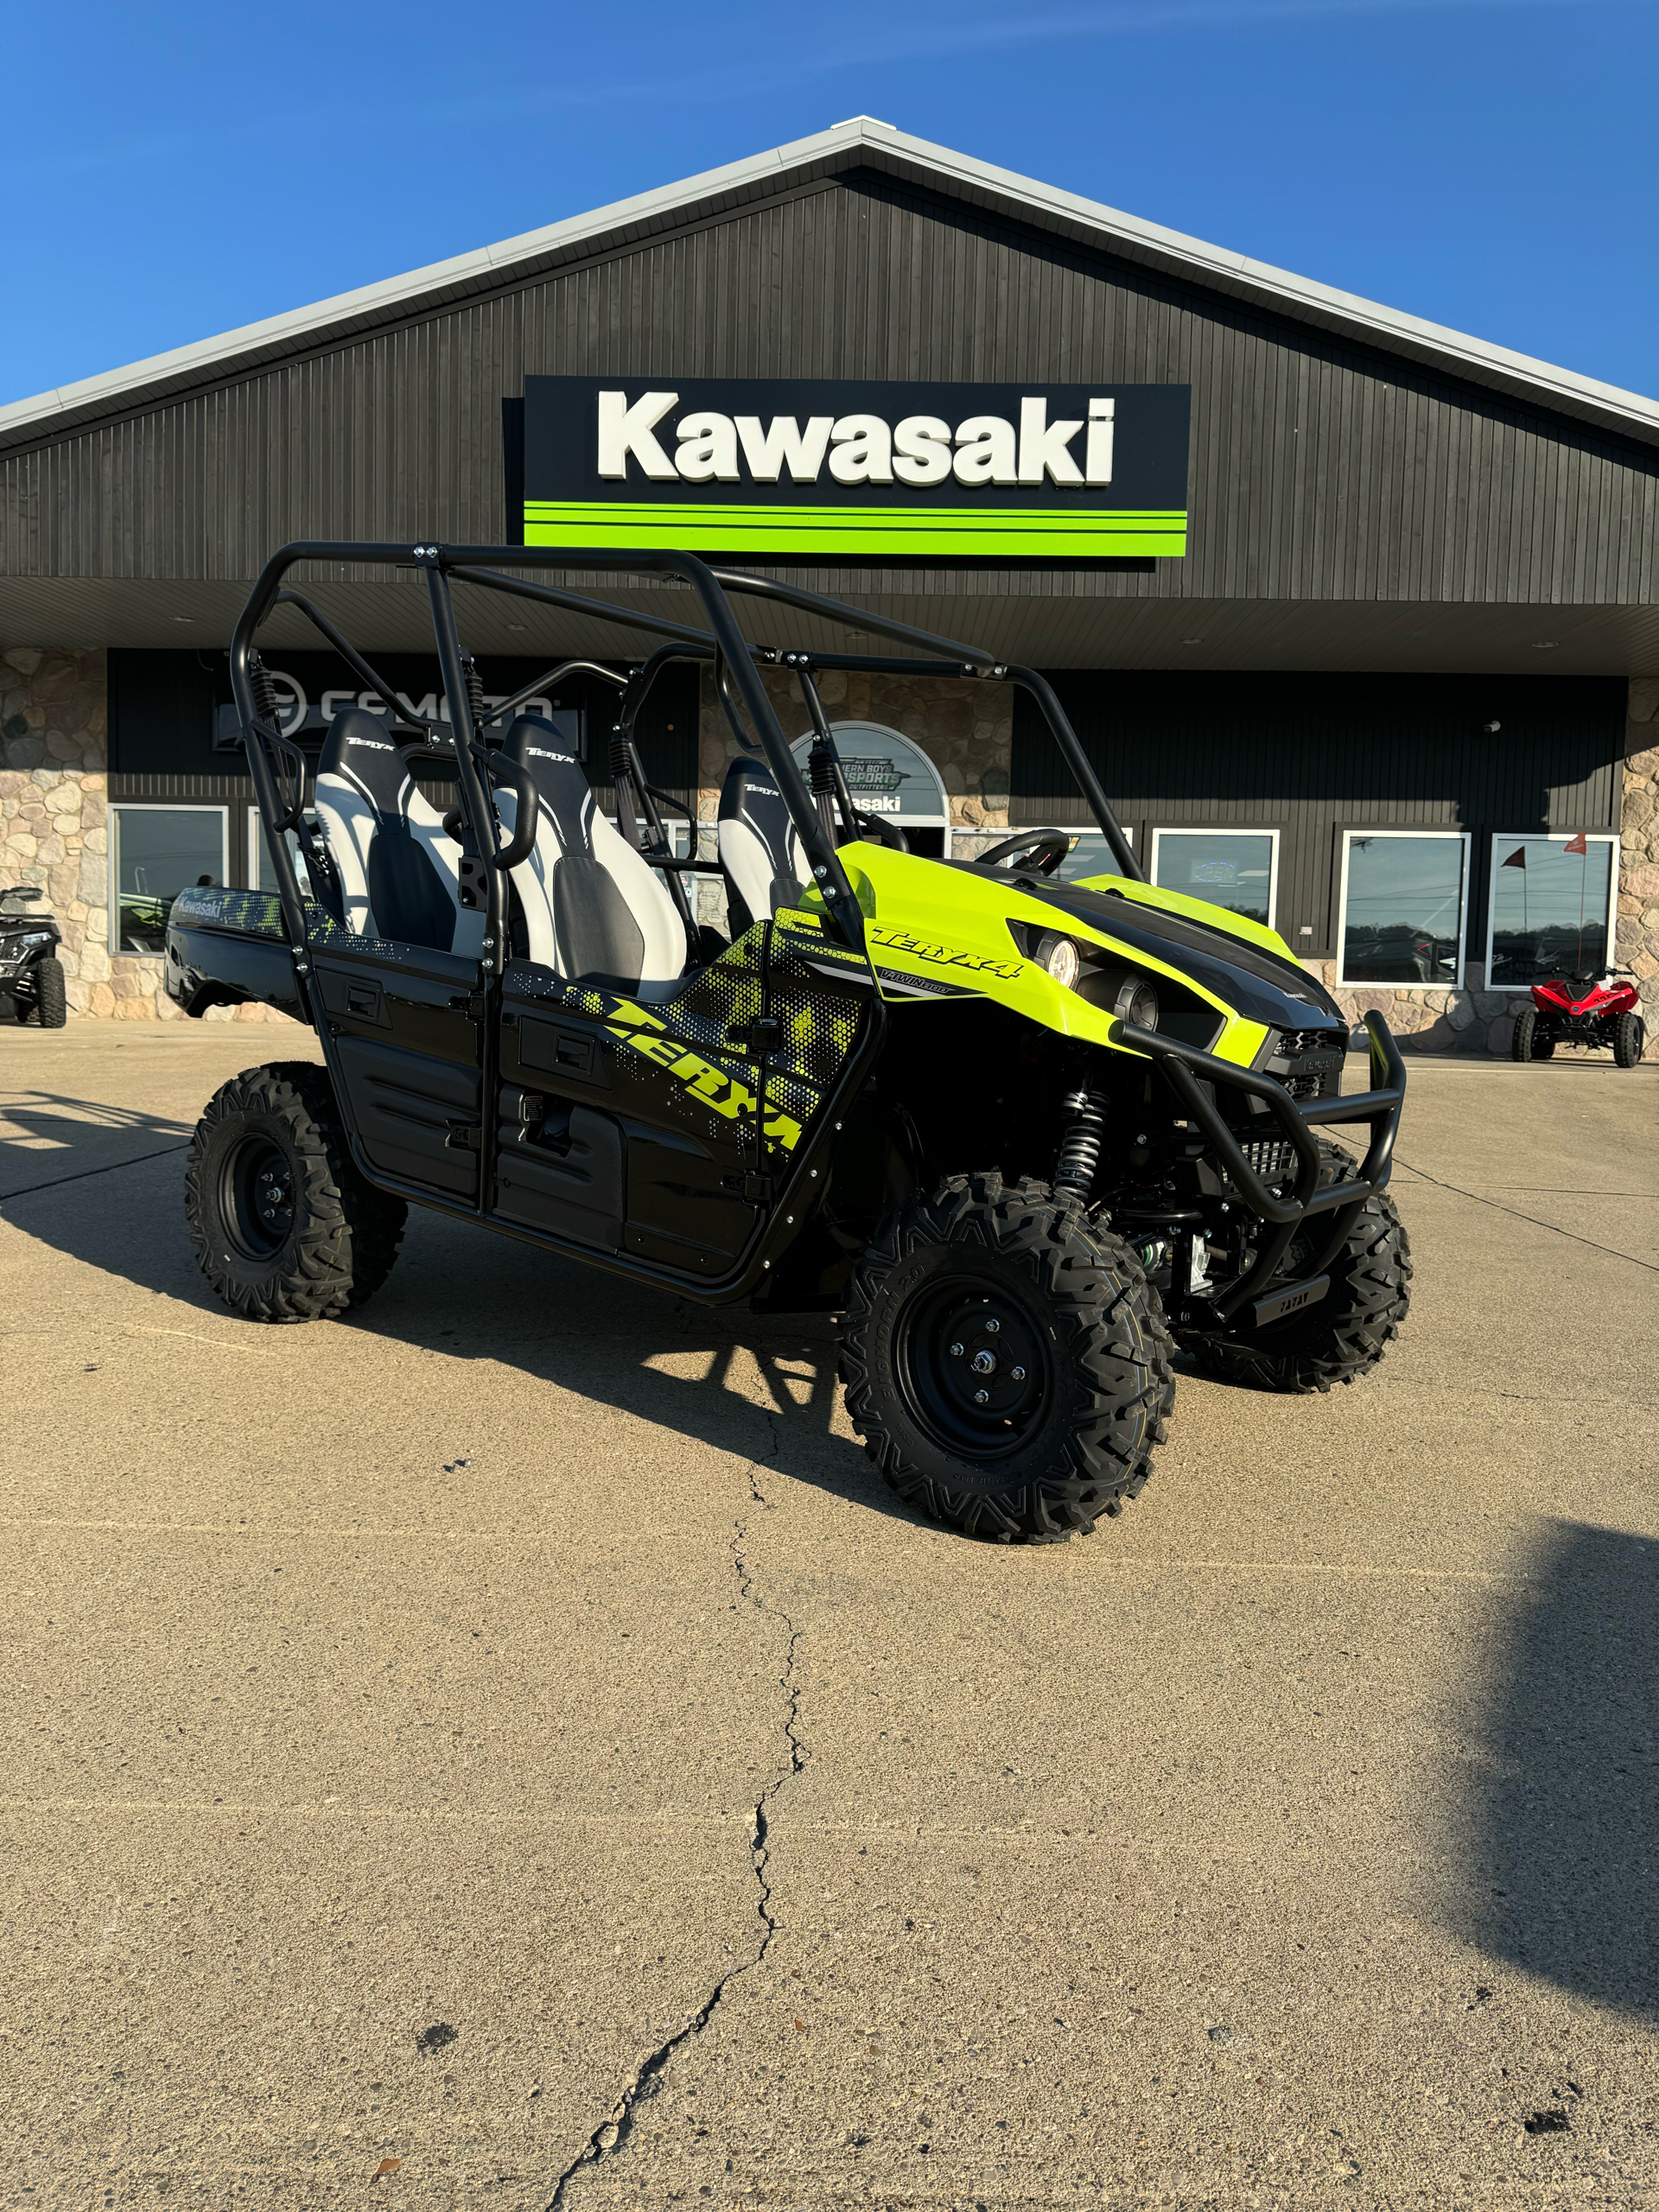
<point x="663" y="1129"/>
<point x="628" y="1124"/>
<point x="404" y="1024"/>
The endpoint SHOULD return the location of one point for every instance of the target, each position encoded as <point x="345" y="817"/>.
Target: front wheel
<point x="1348" y="1332"/>
<point x="284" y="1227"/>
<point x="1526" y="1033"/>
<point x="51" y="998"/>
<point x="1629" y="1037"/>
<point x="1006" y="1362"/>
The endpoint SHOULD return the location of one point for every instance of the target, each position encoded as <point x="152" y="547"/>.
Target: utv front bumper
<point x="1260" y="1296"/>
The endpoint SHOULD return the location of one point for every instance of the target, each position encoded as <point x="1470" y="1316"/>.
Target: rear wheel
<point x="1006" y="1362"/>
<point x="1629" y="1037"/>
<point x="284" y="1227"/>
<point x="1348" y="1332"/>
<point x="51" y="1000"/>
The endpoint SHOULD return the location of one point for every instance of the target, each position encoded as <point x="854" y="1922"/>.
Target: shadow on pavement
<point x="47" y="1136"/>
<point x="1559" y="1825"/>
<point x="762" y="1387"/>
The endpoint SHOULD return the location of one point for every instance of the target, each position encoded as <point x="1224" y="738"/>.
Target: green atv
<point x="1024" y="1135"/>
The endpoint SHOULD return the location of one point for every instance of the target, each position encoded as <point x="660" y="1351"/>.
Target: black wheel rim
<point x="971" y="1360"/>
<point x="257" y="1197"/>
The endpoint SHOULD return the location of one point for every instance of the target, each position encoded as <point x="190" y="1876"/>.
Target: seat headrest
<point x="359" y="747"/>
<point x="745" y="778"/>
<point x="533" y="744"/>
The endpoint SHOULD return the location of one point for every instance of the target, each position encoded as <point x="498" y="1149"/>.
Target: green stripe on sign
<point x="1068" y="533"/>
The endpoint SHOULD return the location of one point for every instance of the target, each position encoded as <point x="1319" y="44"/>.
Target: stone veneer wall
<point x="55" y="829"/>
<point x="1638" y="852"/>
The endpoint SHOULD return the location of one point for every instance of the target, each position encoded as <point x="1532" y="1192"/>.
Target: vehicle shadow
<point x="1558" y="1784"/>
<point x="762" y="1387"/>
<point x="47" y="1135"/>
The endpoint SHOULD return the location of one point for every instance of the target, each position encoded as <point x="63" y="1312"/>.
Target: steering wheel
<point x="1048" y="848"/>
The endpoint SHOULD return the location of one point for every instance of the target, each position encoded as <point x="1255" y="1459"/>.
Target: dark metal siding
<point x="1312" y="755"/>
<point x="1320" y="469"/>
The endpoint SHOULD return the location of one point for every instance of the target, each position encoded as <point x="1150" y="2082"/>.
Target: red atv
<point x="1595" y="1010"/>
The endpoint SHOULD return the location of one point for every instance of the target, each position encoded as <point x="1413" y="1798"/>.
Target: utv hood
<point x="1272" y="988"/>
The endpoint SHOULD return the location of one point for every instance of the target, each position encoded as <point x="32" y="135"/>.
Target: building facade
<point x="1355" y="618"/>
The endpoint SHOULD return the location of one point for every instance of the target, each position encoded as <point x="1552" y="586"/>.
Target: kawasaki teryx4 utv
<point x="1022" y="1135"/>
<point x="31" y="974"/>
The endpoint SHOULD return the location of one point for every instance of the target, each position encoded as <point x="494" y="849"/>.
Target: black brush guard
<point x="1188" y="1072"/>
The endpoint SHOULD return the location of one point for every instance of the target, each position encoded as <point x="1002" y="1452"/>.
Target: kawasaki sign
<point x="861" y="471"/>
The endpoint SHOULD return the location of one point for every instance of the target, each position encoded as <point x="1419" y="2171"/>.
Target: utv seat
<point x="760" y="849"/>
<point x="593" y="907"/>
<point x="399" y="873"/>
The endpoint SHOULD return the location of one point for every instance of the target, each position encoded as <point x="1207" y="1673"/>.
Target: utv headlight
<point x="1060" y="956"/>
<point x="1134" y="998"/>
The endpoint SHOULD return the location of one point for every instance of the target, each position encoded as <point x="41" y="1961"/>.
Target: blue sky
<point x="174" y="170"/>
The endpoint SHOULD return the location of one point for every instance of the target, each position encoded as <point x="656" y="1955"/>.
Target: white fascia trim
<point x="1299" y="297"/>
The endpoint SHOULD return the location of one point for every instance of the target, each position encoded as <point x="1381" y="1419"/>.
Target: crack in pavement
<point x="615" y="2131"/>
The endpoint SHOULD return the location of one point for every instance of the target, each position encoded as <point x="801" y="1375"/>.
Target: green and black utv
<point x="1023" y="1136"/>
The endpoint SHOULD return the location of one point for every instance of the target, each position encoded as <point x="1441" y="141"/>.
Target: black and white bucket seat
<point x="593" y="907"/>
<point x="399" y="873"/>
<point x="760" y="849"/>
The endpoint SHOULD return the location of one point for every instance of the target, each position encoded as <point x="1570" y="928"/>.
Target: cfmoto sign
<point x="1001" y="472"/>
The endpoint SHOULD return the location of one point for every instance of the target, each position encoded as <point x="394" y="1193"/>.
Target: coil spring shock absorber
<point x="821" y="782"/>
<point x="263" y="689"/>
<point x="474" y="694"/>
<point x="1080" y="1143"/>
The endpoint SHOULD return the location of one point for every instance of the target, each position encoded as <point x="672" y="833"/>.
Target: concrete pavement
<point x="507" y="1749"/>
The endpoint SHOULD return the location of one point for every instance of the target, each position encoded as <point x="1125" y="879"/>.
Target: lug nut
<point x="1018" y="1374"/>
<point x="981" y="1397"/>
<point x="956" y="1351"/>
<point x="991" y="1328"/>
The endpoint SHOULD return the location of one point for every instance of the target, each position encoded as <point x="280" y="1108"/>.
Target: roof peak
<point x="1045" y="206"/>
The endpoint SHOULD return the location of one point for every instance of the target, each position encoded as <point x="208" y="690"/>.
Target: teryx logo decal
<point x="942" y="955"/>
<point x="1031" y="471"/>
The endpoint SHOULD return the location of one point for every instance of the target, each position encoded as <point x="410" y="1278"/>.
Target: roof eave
<point x="859" y="141"/>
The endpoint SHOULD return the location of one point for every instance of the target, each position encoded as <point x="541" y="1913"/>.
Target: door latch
<point x="757" y="1189"/>
<point x="762" y="1035"/>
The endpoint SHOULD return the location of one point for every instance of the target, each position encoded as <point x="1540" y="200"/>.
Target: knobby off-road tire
<point x="1080" y="1386"/>
<point x="1629" y="1038"/>
<point x="1348" y="1332"/>
<point x="284" y="1227"/>
<point x="51" y="1000"/>
<point x="1526" y="1031"/>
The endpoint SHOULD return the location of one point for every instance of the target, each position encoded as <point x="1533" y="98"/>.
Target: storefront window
<point x="265" y="875"/>
<point x="1551" y="912"/>
<point x="1233" y="868"/>
<point x="1403" y="894"/>
<point x="1090" y="855"/>
<point x="155" y="852"/>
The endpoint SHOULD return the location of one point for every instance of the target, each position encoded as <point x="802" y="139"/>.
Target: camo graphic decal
<point x="700" y="1036"/>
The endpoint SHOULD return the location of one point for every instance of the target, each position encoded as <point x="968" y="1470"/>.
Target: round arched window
<point x="891" y="775"/>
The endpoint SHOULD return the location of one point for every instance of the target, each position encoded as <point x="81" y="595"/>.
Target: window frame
<point x="1222" y="829"/>
<point x="1550" y="838"/>
<point x="256" y="832"/>
<point x="1042" y="829"/>
<point x="119" y="806"/>
<point x="1466" y="838"/>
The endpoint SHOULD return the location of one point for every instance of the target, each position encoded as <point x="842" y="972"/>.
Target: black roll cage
<point x="1191" y="1075"/>
<point x="738" y="667"/>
